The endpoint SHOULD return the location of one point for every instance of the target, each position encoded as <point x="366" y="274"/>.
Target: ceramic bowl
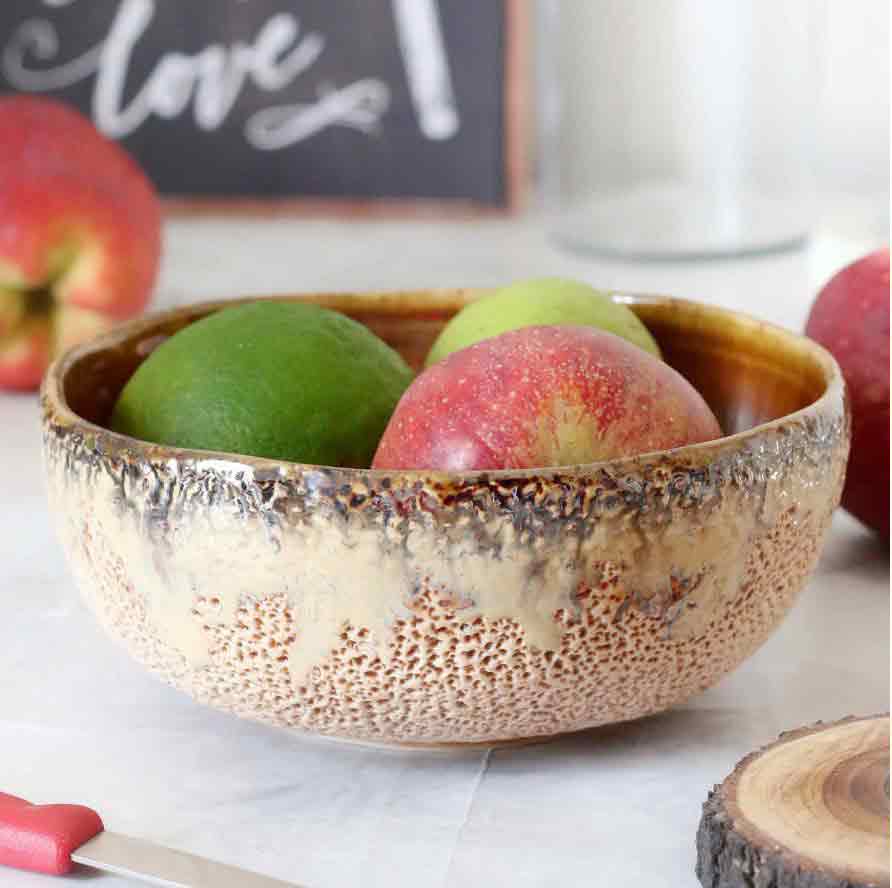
<point x="430" y="608"/>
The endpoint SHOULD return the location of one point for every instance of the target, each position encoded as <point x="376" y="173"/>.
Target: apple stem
<point x="39" y="300"/>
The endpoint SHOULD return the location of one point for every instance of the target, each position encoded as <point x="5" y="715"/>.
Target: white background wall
<point x="854" y="94"/>
<point x="625" y="66"/>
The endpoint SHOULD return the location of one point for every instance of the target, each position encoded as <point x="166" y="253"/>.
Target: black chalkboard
<point x="353" y="100"/>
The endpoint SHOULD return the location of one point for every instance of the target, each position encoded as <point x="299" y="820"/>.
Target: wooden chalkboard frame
<point x="516" y="98"/>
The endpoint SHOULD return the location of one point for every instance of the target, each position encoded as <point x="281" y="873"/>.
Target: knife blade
<point x="165" y="867"/>
<point x="53" y="838"/>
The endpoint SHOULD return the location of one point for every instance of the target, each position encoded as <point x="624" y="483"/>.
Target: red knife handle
<point x="41" y="838"/>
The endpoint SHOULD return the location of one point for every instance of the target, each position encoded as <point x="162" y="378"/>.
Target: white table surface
<point x="619" y="806"/>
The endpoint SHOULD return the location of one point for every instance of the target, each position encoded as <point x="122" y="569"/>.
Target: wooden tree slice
<point x="811" y="810"/>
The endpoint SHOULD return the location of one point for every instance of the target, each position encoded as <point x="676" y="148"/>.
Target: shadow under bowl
<point x="416" y="607"/>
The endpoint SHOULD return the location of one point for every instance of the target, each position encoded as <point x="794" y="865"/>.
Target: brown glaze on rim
<point x="438" y="306"/>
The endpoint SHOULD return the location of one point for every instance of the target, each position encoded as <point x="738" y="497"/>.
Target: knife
<point x="53" y="838"/>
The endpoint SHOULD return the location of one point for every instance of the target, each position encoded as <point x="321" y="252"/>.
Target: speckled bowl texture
<point x="429" y="608"/>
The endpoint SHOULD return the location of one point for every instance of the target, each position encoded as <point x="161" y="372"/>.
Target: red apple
<point x="542" y="396"/>
<point x="850" y="318"/>
<point x="80" y="235"/>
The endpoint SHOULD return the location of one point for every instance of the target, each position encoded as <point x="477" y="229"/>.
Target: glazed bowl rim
<point x="54" y="400"/>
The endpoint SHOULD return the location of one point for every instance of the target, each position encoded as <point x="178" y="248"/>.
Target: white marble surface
<point x="81" y="722"/>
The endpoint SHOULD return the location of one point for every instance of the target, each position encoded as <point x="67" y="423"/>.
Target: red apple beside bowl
<point x="850" y="318"/>
<point x="80" y="235"/>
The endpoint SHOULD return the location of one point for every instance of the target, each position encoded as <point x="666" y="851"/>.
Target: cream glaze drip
<point x="334" y="572"/>
<point x="355" y="582"/>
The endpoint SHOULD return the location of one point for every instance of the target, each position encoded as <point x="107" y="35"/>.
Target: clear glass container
<point x="677" y="128"/>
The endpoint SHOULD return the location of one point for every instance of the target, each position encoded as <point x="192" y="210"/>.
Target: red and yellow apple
<point x="850" y="318"/>
<point x="542" y="396"/>
<point x="80" y="235"/>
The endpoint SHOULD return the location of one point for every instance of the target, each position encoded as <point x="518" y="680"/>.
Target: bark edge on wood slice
<point x="811" y="810"/>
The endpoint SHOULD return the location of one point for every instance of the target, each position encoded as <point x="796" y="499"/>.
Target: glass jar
<point x="677" y="128"/>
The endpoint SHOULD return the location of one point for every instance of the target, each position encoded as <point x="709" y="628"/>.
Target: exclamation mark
<point x="427" y="67"/>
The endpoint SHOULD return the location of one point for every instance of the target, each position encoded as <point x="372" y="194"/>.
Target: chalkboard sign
<point x="248" y="101"/>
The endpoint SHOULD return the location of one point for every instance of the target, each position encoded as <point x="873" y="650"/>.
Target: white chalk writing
<point x="209" y="80"/>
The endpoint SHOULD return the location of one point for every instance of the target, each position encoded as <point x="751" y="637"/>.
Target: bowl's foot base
<point x="434" y="746"/>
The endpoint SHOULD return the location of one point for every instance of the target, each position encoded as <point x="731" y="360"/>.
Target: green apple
<point x="540" y="302"/>
<point x="285" y="380"/>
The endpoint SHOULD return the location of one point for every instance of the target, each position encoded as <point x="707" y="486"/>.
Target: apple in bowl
<point x="80" y="235"/>
<point x="543" y="396"/>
